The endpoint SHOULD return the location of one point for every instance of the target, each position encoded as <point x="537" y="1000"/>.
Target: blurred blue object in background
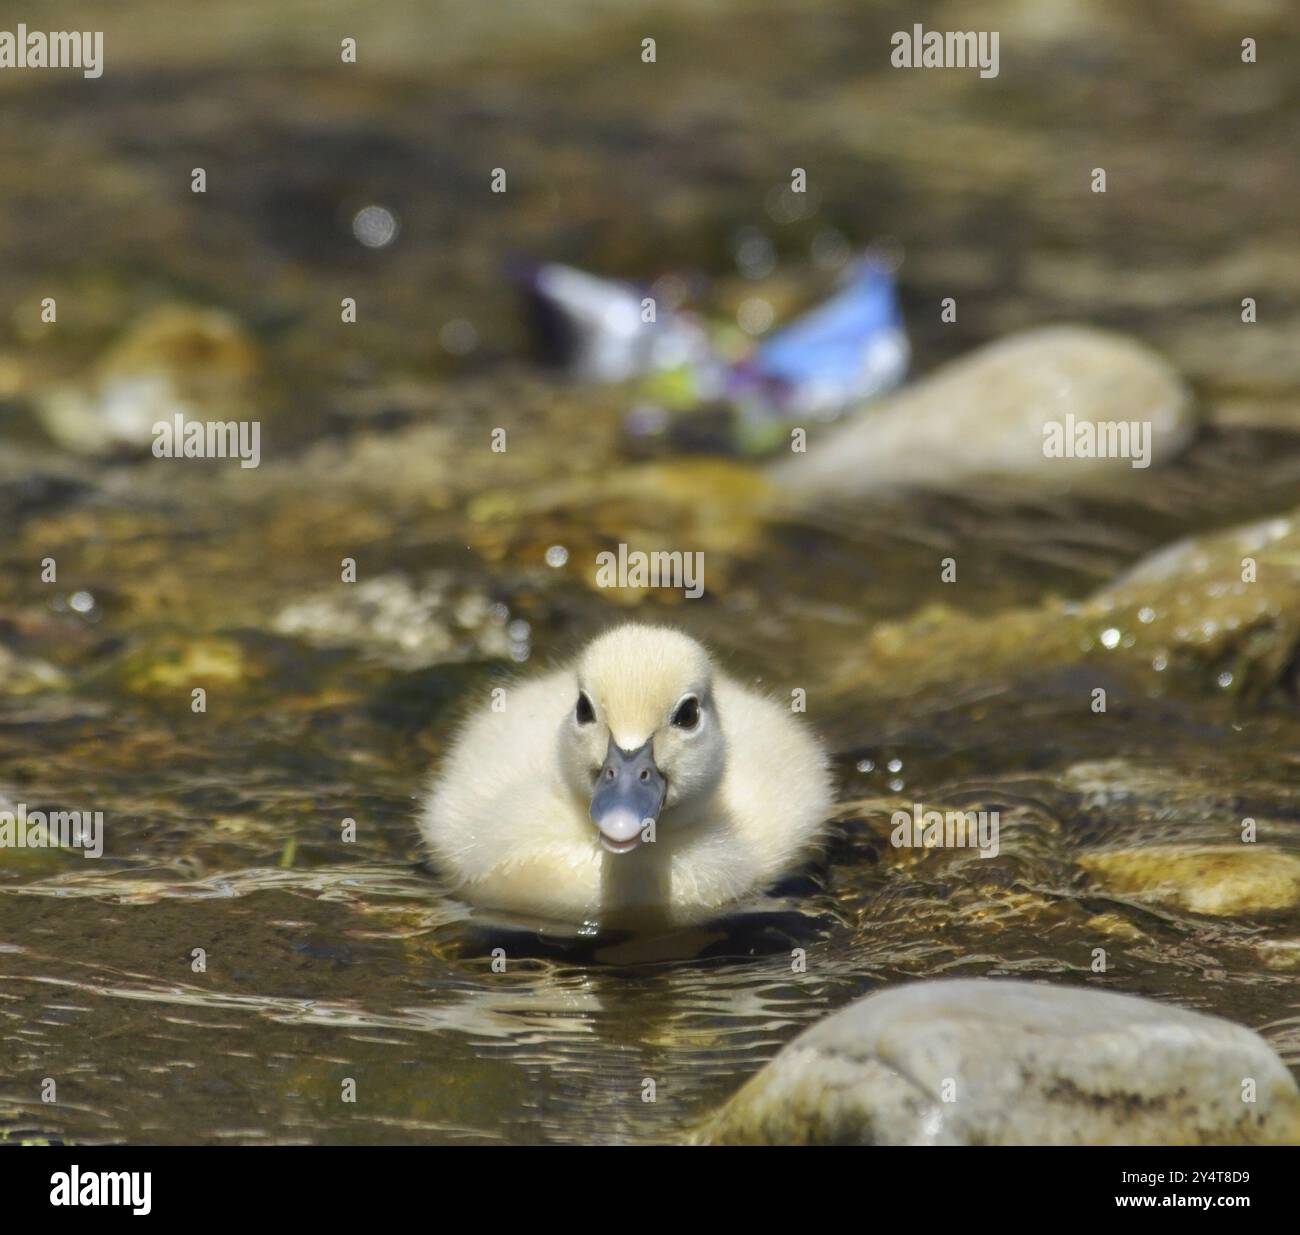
<point x="836" y="356"/>
<point x="824" y="365"/>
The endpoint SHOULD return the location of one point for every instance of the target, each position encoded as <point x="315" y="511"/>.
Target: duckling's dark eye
<point x="584" y="713"/>
<point x="687" y="715"/>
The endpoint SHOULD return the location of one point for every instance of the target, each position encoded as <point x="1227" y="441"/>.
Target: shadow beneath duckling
<point x="778" y="922"/>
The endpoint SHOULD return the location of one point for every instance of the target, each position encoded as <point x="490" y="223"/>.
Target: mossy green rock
<point x="1217" y="880"/>
<point x="1218" y="613"/>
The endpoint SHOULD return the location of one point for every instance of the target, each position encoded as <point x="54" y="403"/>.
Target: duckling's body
<point x="636" y="787"/>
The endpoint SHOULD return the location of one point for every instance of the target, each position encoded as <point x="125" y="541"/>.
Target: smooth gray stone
<point x="1021" y="1063"/>
<point x="983" y="416"/>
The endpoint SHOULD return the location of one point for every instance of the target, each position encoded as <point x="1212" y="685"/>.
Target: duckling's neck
<point x="636" y="887"/>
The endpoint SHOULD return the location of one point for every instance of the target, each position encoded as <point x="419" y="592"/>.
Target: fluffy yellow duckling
<point x="638" y="786"/>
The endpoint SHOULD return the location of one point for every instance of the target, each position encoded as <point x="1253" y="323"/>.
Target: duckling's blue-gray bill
<point x="629" y="795"/>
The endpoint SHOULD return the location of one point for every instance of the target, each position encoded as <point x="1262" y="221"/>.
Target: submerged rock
<point x="408" y="626"/>
<point x="173" y="662"/>
<point x="986" y="1062"/>
<point x="1278" y="954"/>
<point x="177" y="360"/>
<point x="27" y="675"/>
<point x="997" y="413"/>
<point x="1218" y="880"/>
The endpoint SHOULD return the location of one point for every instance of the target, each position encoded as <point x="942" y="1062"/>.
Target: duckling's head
<point x="642" y="737"/>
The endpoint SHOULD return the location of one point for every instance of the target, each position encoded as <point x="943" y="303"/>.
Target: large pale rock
<point x="1022" y="1064"/>
<point x="984" y="414"/>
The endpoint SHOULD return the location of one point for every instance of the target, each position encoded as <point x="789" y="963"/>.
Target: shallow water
<point x="328" y="961"/>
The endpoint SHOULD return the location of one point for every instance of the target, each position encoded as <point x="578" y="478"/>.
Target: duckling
<point x="636" y="787"/>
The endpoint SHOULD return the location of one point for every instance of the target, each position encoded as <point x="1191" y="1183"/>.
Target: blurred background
<point x="372" y="181"/>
